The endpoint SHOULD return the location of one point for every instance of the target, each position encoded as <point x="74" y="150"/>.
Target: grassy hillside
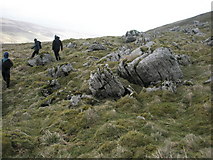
<point x="173" y="124"/>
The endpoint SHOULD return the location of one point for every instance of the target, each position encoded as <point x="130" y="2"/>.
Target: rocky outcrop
<point x="161" y="65"/>
<point x="104" y="84"/>
<point x="60" y="70"/>
<point x="116" y="56"/>
<point x="41" y="60"/>
<point x="131" y="36"/>
<point x="96" y="46"/>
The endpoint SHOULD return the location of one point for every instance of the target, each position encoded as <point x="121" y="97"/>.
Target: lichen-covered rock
<point x="103" y="84"/>
<point x="60" y="70"/>
<point x="41" y="60"/>
<point x="161" y="65"/>
<point x="183" y="59"/>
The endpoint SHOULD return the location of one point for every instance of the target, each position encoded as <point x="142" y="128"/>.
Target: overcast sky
<point x="102" y="17"/>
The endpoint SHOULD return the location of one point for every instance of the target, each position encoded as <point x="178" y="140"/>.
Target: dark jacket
<point x="57" y="44"/>
<point x="7" y="65"/>
<point x="36" y="47"/>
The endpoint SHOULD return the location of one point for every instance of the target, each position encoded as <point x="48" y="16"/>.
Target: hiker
<point x="56" y="46"/>
<point x="6" y="65"/>
<point x="36" y="47"/>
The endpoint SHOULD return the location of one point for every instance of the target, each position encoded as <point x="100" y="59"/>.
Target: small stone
<point x="141" y="117"/>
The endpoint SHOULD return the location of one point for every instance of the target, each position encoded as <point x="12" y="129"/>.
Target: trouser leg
<point x="6" y="77"/>
<point x="35" y="52"/>
<point x="3" y="75"/>
<point x="57" y="55"/>
<point x="8" y="80"/>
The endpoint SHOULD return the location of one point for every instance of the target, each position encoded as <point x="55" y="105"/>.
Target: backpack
<point x="39" y="43"/>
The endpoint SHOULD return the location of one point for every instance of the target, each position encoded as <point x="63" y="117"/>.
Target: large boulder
<point x="104" y="84"/>
<point x="41" y="60"/>
<point x="131" y="36"/>
<point x="60" y="70"/>
<point x="161" y="65"/>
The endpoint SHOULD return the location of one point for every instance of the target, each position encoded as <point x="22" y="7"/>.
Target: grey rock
<point x="41" y="60"/>
<point x="183" y="59"/>
<point x="96" y="46"/>
<point x="209" y="41"/>
<point x="71" y="45"/>
<point x="60" y="70"/>
<point x="116" y="56"/>
<point x="208" y="81"/>
<point x="132" y="33"/>
<point x="136" y="52"/>
<point x="197" y="32"/>
<point x="52" y="86"/>
<point x="153" y="89"/>
<point x="170" y="86"/>
<point x="188" y="83"/>
<point x="141" y="117"/>
<point x="149" y="44"/>
<point x="175" y="29"/>
<point x="130" y="39"/>
<point x="74" y="101"/>
<point x="104" y="84"/>
<point x="161" y="65"/>
<point x="131" y="36"/>
<point x="200" y="24"/>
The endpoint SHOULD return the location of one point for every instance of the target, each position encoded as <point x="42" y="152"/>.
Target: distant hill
<point x="201" y="18"/>
<point x="14" y="31"/>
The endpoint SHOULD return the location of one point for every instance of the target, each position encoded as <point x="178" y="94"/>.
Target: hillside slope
<point x="62" y="119"/>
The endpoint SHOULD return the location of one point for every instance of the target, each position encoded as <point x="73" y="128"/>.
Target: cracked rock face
<point x="161" y="65"/>
<point x="41" y="60"/>
<point x="60" y="71"/>
<point x="104" y="84"/>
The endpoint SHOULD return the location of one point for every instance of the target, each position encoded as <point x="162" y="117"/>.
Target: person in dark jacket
<point x="6" y="65"/>
<point x="36" y="47"/>
<point x="56" y="46"/>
